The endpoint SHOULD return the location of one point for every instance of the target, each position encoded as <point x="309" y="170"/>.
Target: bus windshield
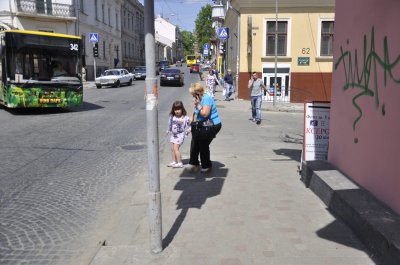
<point x="40" y="58"/>
<point x="40" y="69"/>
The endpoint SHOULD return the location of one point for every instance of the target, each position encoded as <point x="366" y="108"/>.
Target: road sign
<point x="205" y="52"/>
<point x="223" y="33"/>
<point x="94" y="37"/>
<point x="206" y="46"/>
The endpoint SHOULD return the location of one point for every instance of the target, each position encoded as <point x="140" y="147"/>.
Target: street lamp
<point x="218" y="15"/>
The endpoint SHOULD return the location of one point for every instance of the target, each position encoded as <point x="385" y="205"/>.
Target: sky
<point x="182" y="13"/>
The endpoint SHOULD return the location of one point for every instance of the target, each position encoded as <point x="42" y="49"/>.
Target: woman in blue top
<point x="204" y="107"/>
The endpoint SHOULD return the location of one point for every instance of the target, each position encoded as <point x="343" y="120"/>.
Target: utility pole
<point x="151" y="95"/>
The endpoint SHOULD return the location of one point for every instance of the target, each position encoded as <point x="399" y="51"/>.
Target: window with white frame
<point x="282" y="38"/>
<point x="326" y="48"/>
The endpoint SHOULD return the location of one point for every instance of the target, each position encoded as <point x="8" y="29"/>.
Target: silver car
<point x="115" y="78"/>
<point x="140" y="72"/>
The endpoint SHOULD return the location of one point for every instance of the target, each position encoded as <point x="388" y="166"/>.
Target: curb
<point x="375" y="224"/>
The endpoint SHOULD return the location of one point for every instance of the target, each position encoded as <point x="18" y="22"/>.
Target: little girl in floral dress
<point x="178" y="127"/>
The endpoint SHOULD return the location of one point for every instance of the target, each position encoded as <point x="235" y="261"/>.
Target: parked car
<point x="195" y="68"/>
<point x="162" y="65"/>
<point x="171" y="76"/>
<point x="114" y="77"/>
<point x="139" y="72"/>
<point x="206" y="67"/>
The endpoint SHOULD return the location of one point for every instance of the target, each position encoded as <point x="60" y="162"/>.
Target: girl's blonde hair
<point x="196" y="88"/>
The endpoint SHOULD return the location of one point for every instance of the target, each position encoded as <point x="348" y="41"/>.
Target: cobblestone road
<point x="63" y="172"/>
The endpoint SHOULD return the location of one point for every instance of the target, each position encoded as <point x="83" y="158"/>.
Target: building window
<point x="81" y="6"/>
<point x="104" y="49"/>
<point x="116" y="21"/>
<point x="102" y="13"/>
<point x="327" y="38"/>
<point x="95" y="10"/>
<point x="83" y="44"/>
<point x="282" y="38"/>
<point x="109" y="16"/>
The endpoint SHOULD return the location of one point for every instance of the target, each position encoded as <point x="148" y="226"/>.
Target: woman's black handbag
<point x="203" y="130"/>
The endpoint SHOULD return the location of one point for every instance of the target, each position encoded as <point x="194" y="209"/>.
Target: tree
<point x="204" y="30"/>
<point x="187" y="41"/>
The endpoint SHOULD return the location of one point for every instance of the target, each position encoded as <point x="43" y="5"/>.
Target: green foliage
<point x="187" y="41"/>
<point x="204" y="29"/>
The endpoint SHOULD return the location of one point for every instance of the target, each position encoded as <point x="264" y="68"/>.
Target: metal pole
<point x="237" y="55"/>
<point x="77" y="11"/>
<point x="94" y="67"/>
<point x="276" y="51"/>
<point x="154" y="194"/>
<point x="94" y="63"/>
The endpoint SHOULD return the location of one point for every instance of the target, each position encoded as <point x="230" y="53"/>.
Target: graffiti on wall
<point x="361" y="73"/>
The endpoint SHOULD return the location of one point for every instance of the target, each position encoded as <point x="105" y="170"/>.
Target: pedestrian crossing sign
<point x="94" y="37"/>
<point x="223" y="33"/>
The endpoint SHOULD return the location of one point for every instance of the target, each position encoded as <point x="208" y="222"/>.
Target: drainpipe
<point x="237" y="47"/>
<point x="77" y="11"/>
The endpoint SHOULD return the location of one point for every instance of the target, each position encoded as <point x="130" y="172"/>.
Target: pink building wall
<point x="365" y="115"/>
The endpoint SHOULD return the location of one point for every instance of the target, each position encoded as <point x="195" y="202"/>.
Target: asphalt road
<point x="66" y="174"/>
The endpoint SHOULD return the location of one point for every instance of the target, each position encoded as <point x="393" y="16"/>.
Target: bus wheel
<point x="98" y="86"/>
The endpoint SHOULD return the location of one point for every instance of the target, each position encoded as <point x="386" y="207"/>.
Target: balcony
<point x="39" y="8"/>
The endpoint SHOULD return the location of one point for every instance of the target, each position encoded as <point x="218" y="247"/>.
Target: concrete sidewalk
<point x="251" y="209"/>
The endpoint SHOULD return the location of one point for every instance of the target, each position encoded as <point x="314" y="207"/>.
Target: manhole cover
<point x="133" y="147"/>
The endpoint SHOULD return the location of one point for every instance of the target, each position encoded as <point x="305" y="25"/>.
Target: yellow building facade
<point x="305" y="47"/>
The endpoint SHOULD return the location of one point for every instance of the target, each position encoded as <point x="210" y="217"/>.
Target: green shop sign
<point x="303" y="61"/>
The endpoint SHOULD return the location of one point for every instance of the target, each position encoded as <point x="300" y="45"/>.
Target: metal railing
<point x="288" y="95"/>
<point x="282" y="95"/>
<point x="45" y="7"/>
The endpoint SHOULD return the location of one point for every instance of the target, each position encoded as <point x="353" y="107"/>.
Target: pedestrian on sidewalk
<point x="204" y="108"/>
<point x="201" y="71"/>
<point x="83" y="74"/>
<point x="178" y="127"/>
<point x="212" y="82"/>
<point x="228" y="80"/>
<point x="257" y="89"/>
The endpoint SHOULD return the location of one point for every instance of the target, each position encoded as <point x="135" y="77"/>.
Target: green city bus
<point x="40" y="69"/>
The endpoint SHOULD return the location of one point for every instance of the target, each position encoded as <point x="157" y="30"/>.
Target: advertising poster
<point x="316" y="130"/>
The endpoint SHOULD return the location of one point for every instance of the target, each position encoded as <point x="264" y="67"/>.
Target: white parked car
<point x="115" y="78"/>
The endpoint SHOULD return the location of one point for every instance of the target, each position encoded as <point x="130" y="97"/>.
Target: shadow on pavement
<point x="332" y="233"/>
<point x="86" y="106"/>
<point x="292" y="154"/>
<point x="196" y="188"/>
